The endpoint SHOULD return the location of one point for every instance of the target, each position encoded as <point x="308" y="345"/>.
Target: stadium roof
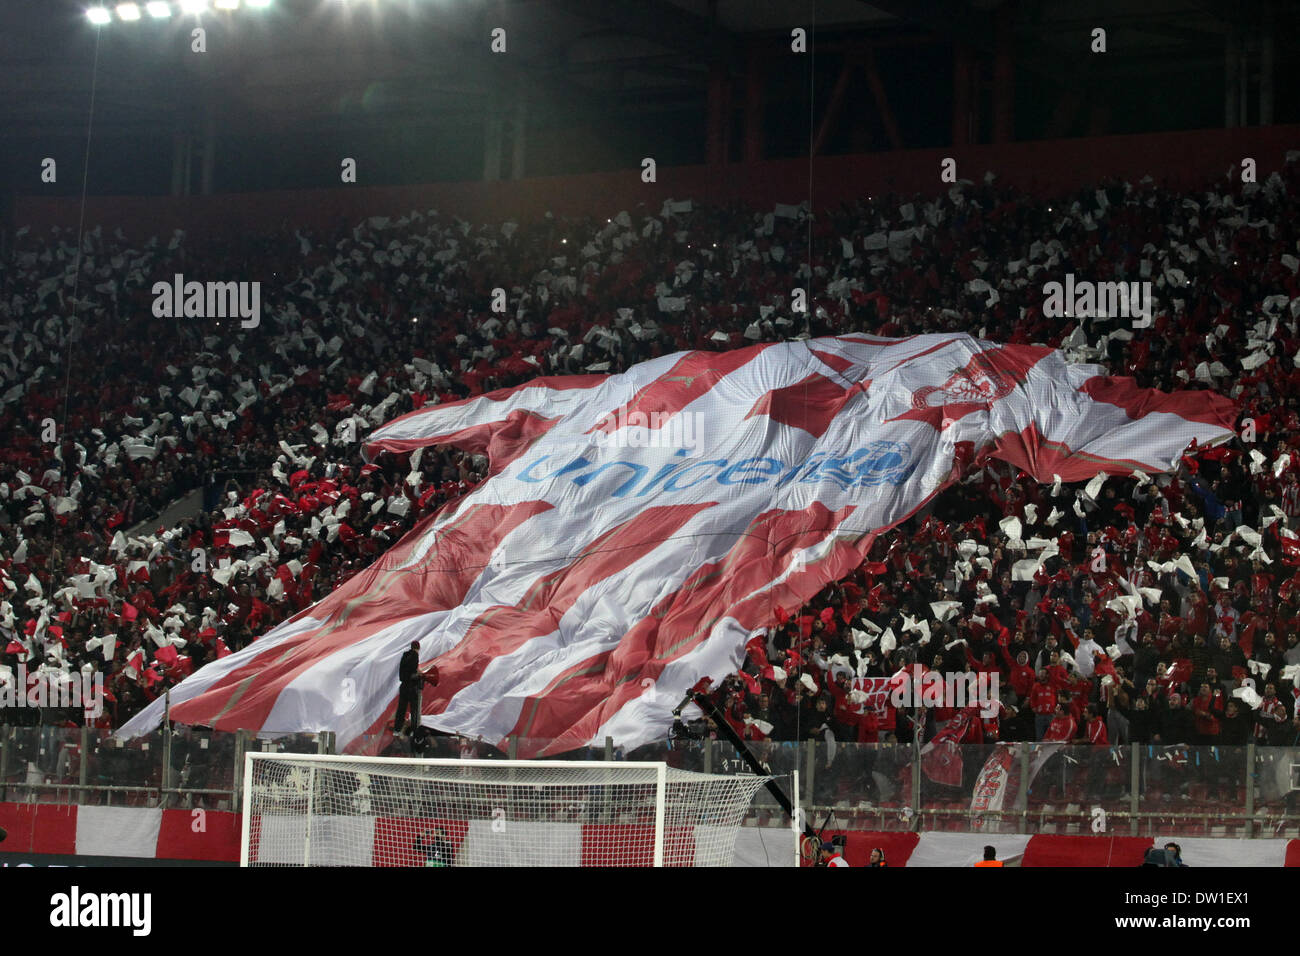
<point x="325" y="68"/>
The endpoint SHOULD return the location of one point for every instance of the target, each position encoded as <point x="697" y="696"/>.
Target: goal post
<point x="323" y="810"/>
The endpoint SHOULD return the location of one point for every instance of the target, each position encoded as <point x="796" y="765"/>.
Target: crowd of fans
<point x="1151" y="608"/>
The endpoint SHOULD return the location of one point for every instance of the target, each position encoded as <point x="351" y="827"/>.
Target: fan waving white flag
<point x="637" y="529"/>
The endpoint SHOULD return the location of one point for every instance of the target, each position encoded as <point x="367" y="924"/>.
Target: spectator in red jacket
<point x="1042" y="701"/>
<point x="1094" y="731"/>
<point x="1272" y="718"/>
<point x="1057" y="673"/>
<point x="1063" y="726"/>
<point x="1022" y="675"/>
<point x="1207" y="709"/>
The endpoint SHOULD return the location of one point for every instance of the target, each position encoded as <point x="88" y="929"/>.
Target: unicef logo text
<point x="879" y="463"/>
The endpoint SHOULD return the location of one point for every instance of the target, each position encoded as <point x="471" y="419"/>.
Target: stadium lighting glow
<point x="259" y="4"/>
<point x="128" y="11"/>
<point x="158" y="10"/>
<point x="99" y="16"/>
<point x="227" y="4"/>
<point x="194" y="6"/>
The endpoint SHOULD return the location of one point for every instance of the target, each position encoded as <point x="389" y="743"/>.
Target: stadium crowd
<point x="1142" y="608"/>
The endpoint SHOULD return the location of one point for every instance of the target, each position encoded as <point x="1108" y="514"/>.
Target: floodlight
<point x="99" y="16"/>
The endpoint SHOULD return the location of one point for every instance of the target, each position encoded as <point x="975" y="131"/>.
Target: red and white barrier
<point x="213" y="836"/>
<point x="1049" y="849"/>
<point x="121" y="832"/>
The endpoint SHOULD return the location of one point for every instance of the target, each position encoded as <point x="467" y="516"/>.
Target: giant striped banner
<point x="637" y="529"/>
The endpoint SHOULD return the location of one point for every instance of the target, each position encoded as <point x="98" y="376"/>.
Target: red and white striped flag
<point x="637" y="529"/>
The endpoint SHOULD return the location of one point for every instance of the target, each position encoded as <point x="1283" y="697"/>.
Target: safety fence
<point x="1135" y="789"/>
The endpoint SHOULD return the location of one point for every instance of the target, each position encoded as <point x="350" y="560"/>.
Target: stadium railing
<point x="183" y="767"/>
<point x="1127" y="790"/>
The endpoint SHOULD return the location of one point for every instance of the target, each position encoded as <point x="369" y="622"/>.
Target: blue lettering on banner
<point x="879" y="463"/>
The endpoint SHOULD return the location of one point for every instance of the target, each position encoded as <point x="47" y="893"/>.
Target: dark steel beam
<point x="951" y="18"/>
<point x="664" y="23"/>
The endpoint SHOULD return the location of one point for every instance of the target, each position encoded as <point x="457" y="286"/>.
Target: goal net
<point x="309" y="810"/>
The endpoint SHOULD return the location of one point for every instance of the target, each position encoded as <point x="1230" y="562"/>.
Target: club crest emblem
<point x="976" y="384"/>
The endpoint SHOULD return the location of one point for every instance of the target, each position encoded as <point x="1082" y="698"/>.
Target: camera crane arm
<point x="706" y="704"/>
